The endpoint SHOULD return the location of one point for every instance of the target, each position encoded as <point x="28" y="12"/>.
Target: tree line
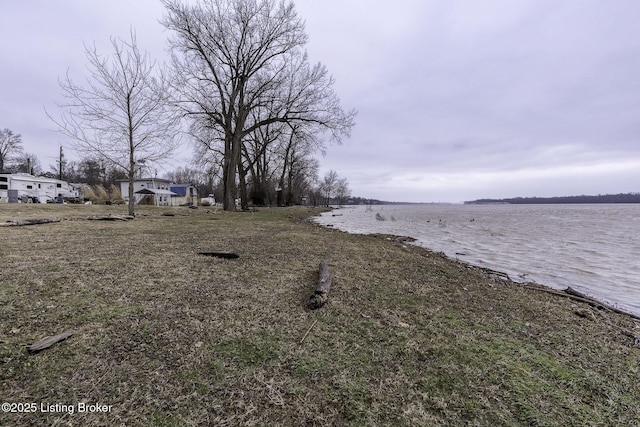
<point x="241" y="87"/>
<point x="307" y="188"/>
<point x="601" y="198"/>
<point x="92" y="171"/>
<point x="303" y="186"/>
<point x="13" y="158"/>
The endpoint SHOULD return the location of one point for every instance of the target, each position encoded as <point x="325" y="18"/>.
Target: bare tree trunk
<point x="281" y="194"/>
<point x="132" y="162"/>
<point x="131" y="195"/>
<point x="242" y="174"/>
<point x="228" y="177"/>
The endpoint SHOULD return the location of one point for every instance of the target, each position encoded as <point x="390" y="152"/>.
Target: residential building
<point x="27" y="188"/>
<point x="184" y="194"/>
<point x="152" y="191"/>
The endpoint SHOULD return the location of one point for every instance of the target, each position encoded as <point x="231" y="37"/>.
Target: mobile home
<point x="26" y="188"/>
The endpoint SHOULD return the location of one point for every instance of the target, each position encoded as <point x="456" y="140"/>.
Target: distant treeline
<point x="365" y="201"/>
<point x="359" y="201"/>
<point x="606" y="198"/>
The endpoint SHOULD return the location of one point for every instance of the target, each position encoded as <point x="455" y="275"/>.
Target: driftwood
<point x="18" y="222"/>
<point x="48" y="342"/>
<point x="321" y="294"/>
<point x="110" y="217"/>
<point x="594" y="302"/>
<point x="227" y="255"/>
<point x="580" y="297"/>
<point x="489" y="271"/>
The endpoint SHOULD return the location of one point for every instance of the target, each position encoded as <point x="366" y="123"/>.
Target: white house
<point x="184" y="194"/>
<point x="152" y="191"/>
<point x="24" y="187"/>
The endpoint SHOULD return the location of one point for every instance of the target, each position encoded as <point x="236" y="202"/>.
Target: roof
<point x="180" y="189"/>
<point x="144" y="179"/>
<point x="21" y="176"/>
<point x="155" y="191"/>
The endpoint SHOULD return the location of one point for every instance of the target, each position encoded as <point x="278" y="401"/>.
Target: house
<point x="185" y="194"/>
<point x="152" y="191"/>
<point x="27" y="188"/>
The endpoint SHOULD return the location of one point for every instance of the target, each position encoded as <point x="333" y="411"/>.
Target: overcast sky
<point x="456" y="100"/>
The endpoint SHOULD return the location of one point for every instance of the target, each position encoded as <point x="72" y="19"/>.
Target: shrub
<point x="101" y="193"/>
<point x="116" y="195"/>
<point x="97" y="194"/>
<point x="89" y="194"/>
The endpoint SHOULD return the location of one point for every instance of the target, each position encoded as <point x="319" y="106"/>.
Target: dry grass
<point x="169" y="338"/>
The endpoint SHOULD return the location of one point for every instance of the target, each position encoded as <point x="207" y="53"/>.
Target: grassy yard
<point x="167" y="337"/>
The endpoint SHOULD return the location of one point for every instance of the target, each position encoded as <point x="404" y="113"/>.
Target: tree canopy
<point x="239" y="67"/>
<point x="123" y="113"/>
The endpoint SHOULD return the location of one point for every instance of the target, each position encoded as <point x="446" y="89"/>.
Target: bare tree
<point x="10" y="144"/>
<point x="303" y="172"/>
<point x="185" y="175"/>
<point x="27" y="163"/>
<point x="328" y="185"/>
<point x="342" y="191"/>
<point x="242" y="67"/>
<point x="123" y="112"/>
<point x="70" y="171"/>
<point x="261" y="161"/>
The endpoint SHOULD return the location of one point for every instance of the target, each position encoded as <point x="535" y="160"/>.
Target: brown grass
<point x="170" y="338"/>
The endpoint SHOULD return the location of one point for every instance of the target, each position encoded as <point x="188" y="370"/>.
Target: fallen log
<point x="598" y="304"/>
<point x="227" y="255"/>
<point x="19" y="222"/>
<point x="574" y="295"/>
<point x="500" y="274"/>
<point x="48" y="342"/>
<point x="321" y="294"/>
<point x="110" y="217"/>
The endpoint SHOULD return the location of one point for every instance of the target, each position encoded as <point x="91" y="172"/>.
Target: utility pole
<point x="60" y="164"/>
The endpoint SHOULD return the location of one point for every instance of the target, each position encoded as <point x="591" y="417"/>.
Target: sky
<point x="457" y="99"/>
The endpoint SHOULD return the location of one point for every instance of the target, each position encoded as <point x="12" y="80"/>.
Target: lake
<point x="592" y="248"/>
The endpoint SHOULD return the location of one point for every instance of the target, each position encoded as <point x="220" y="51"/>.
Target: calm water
<point x="592" y="248"/>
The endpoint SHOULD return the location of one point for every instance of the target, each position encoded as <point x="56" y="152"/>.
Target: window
<point x="4" y="187"/>
<point x="3" y="179"/>
<point x="59" y="185"/>
<point x="29" y="187"/>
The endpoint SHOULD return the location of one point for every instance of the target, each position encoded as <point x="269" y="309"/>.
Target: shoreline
<point x="566" y="287"/>
<point x="567" y="292"/>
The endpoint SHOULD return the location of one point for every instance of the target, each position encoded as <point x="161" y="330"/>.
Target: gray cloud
<point x="456" y="99"/>
<point x="496" y="98"/>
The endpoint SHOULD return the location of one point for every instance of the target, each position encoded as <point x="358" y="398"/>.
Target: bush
<point x="97" y="194"/>
<point x="116" y="195"/>
<point x="103" y="196"/>
<point x="89" y="194"/>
